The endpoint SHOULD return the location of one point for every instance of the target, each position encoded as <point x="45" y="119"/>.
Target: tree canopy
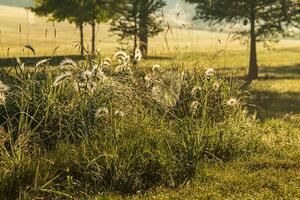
<point x="264" y="17"/>
<point x="138" y="20"/>
<point x="79" y="12"/>
<point x="291" y="12"/>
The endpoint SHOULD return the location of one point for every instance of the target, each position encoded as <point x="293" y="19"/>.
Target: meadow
<point x="168" y="127"/>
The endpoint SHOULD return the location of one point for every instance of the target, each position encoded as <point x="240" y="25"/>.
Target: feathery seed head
<point x="78" y="86"/>
<point x="196" y="90"/>
<point x="87" y="74"/>
<point x="123" y="58"/>
<point x="156" y="68"/>
<point x="194" y="107"/>
<point x="2" y="98"/>
<point x="209" y="73"/>
<point x="42" y="62"/>
<point x="120" y="55"/>
<point x="91" y="86"/>
<point x="119" y="113"/>
<point x="3" y="87"/>
<point x="59" y="79"/>
<point x="148" y="80"/>
<point x="101" y="112"/>
<point x="216" y="86"/>
<point x="156" y="92"/>
<point x="127" y="59"/>
<point x="68" y="62"/>
<point x="138" y="55"/>
<point x="106" y="63"/>
<point x="232" y="102"/>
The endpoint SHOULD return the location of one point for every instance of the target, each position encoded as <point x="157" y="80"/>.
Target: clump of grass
<point x="110" y="126"/>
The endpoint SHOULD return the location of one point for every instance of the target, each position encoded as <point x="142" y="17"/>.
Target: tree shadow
<point x="276" y="104"/>
<point x="273" y="104"/>
<point x="267" y="73"/>
<point x="32" y="61"/>
<point x="158" y="58"/>
<point x="284" y="72"/>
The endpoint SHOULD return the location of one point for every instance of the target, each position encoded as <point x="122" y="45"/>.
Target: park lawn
<point x="270" y="174"/>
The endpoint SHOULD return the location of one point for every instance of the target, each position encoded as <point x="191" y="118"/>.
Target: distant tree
<point x="138" y="20"/>
<point x="264" y="17"/>
<point x="61" y="10"/>
<point x="291" y="12"/>
<point x="79" y="12"/>
<point x="97" y="11"/>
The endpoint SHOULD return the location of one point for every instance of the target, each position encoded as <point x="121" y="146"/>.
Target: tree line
<point x="137" y="20"/>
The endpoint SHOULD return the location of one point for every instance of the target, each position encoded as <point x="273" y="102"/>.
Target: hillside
<point x="17" y="3"/>
<point x="174" y="7"/>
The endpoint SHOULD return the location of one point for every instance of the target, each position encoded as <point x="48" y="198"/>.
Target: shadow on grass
<point x="267" y="73"/>
<point x="284" y="72"/>
<point x="276" y="104"/>
<point x="159" y="58"/>
<point x="31" y="61"/>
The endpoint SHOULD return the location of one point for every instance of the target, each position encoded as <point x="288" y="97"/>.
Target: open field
<point x="41" y="35"/>
<point x="245" y="158"/>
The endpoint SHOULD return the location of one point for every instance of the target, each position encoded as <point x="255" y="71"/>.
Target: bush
<point x="93" y="127"/>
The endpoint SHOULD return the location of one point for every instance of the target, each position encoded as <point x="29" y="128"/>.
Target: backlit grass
<point x="150" y="155"/>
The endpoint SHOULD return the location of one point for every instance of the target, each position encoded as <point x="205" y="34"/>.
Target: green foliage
<point x="79" y="12"/>
<point x="106" y="126"/>
<point x="138" y="20"/>
<point x="265" y="19"/>
<point x="75" y="11"/>
<point x="291" y="12"/>
<point x="268" y="14"/>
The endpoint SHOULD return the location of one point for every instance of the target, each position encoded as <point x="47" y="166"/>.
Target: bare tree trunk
<point x="93" y="37"/>
<point x="81" y="39"/>
<point x="135" y="45"/>
<point x="144" y="43"/>
<point x="253" y="68"/>
<point x="143" y="34"/>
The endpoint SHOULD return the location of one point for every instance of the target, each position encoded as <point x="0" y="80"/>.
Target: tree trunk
<point x="93" y="37"/>
<point x="81" y="39"/>
<point x="135" y="45"/>
<point x="143" y="33"/>
<point x="253" y="68"/>
<point x="144" y="43"/>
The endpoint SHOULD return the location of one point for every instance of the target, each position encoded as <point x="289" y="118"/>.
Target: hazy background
<point x="173" y="8"/>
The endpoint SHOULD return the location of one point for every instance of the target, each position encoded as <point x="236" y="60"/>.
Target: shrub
<point x="109" y="126"/>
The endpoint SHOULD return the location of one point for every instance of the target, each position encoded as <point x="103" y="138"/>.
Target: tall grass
<point x="110" y="126"/>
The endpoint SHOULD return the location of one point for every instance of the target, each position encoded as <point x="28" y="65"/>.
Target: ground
<point x="274" y="174"/>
